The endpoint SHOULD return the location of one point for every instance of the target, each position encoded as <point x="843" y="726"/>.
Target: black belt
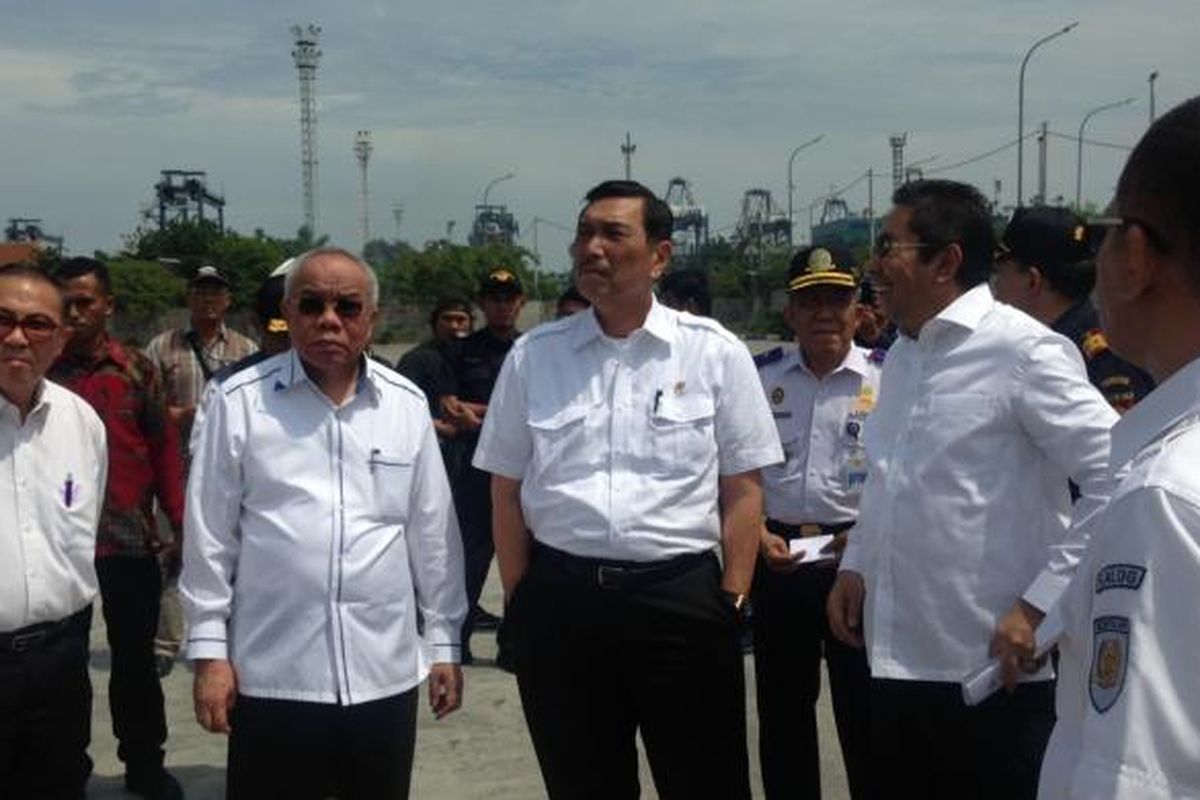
<point x="620" y="575"/>
<point x="42" y="633"/>
<point x="805" y="530"/>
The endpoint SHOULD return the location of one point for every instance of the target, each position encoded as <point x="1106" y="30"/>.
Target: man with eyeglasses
<point x="1046" y="267"/>
<point x="821" y="392"/>
<point x="1128" y="718"/>
<point x="53" y="469"/>
<point x="145" y="466"/>
<point x="963" y="540"/>
<point x="319" y="530"/>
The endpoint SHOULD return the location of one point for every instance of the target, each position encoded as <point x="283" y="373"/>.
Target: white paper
<point x="811" y="547"/>
<point x="985" y="681"/>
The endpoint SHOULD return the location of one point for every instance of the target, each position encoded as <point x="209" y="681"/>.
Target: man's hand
<point x="835" y="548"/>
<point x="776" y="554"/>
<point x="1015" y="642"/>
<point x="445" y="688"/>
<point x="213" y="693"/>
<point x="181" y="415"/>
<point x="844" y="607"/>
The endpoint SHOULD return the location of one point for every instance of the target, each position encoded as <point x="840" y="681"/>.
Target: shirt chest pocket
<point x="559" y="437"/>
<point x="391" y="484"/>
<point x="682" y="428"/>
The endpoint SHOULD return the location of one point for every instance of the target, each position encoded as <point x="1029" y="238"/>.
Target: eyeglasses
<point x="886" y="246"/>
<point x="344" y="307"/>
<point x="1098" y="228"/>
<point x="37" y="327"/>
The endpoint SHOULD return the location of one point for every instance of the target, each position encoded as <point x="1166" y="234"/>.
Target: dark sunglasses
<point x="37" y="327"/>
<point x="344" y="307"/>
<point x="1098" y="228"/>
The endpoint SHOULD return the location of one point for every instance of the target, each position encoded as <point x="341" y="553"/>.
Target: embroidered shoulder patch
<point x="769" y="357"/>
<point x="1119" y="576"/>
<point x="1110" y="661"/>
<point x="1093" y="344"/>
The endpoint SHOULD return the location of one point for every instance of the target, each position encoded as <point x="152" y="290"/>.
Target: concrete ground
<point x="481" y="751"/>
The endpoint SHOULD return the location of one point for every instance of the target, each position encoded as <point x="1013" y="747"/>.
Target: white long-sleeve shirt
<point x="1128" y="720"/>
<point x="53" y="471"/>
<point x="980" y="422"/>
<point x="315" y="534"/>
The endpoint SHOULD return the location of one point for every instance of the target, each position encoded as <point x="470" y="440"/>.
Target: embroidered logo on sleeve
<point x="1120" y="576"/>
<point x="1110" y="660"/>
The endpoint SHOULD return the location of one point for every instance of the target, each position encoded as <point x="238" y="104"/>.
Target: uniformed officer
<point x="1128" y="716"/>
<point x="820" y="392"/>
<point x="1045" y="267"/>
<point x="475" y="364"/>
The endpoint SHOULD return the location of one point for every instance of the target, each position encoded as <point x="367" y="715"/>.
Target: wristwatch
<point x="739" y="602"/>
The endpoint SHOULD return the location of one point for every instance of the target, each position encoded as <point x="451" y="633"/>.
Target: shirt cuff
<point x="499" y="466"/>
<point x="444" y="643"/>
<point x="742" y="461"/>
<point x="207" y="640"/>
<point x="1045" y="590"/>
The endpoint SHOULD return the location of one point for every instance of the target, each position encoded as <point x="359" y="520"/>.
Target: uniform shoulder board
<point x="1093" y="343"/>
<point x="877" y="355"/>
<point x="769" y="357"/>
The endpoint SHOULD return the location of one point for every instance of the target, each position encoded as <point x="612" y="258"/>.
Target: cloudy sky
<point x="97" y="97"/>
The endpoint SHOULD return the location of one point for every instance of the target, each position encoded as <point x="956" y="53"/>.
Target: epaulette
<point x="877" y="355"/>
<point x="1093" y="343"/>
<point x="768" y="357"/>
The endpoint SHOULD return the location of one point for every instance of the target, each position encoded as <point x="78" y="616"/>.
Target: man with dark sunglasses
<point x="53" y="469"/>
<point x="1045" y="266"/>
<point x="1128" y="719"/>
<point x="319" y="530"/>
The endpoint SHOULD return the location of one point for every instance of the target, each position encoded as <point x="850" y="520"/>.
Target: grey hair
<point x="289" y="280"/>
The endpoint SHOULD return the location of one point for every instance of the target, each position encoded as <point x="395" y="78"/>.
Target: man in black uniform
<point x="476" y="364"/>
<point x="1046" y="268"/>
<point x="428" y="364"/>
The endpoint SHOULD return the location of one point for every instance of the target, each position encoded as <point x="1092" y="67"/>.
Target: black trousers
<point x="926" y="743"/>
<point x="595" y="665"/>
<point x="287" y="750"/>
<point x="791" y="632"/>
<point x="473" y="502"/>
<point x="46" y="716"/>
<point x="131" y="589"/>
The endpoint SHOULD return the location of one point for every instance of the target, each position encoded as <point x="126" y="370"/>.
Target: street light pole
<point x="488" y="189"/>
<point x="1079" y="153"/>
<point x="792" y="186"/>
<point x="1021" y="107"/>
<point x="1153" y="78"/>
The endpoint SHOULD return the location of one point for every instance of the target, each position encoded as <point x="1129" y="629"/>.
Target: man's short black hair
<point x="1160" y="185"/>
<point x="679" y="287"/>
<point x="946" y="213"/>
<point x="22" y="270"/>
<point x="657" y="218"/>
<point x="79" y="266"/>
<point x="450" y="302"/>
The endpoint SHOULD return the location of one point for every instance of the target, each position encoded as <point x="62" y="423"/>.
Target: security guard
<point x="820" y="392"/>
<point x="1046" y="268"/>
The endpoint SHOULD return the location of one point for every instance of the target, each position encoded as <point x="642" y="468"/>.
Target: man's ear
<point x="662" y="257"/>
<point x="1035" y="280"/>
<point x="949" y="262"/>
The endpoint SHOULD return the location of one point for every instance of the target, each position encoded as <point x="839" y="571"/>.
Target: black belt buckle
<point x="27" y="641"/>
<point x="610" y="577"/>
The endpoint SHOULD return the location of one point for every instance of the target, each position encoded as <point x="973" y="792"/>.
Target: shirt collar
<point x="41" y="402"/>
<point x="1156" y="413"/>
<point x="661" y="322"/>
<point x="968" y="309"/>
<point x="855" y="361"/>
<point x="220" y="330"/>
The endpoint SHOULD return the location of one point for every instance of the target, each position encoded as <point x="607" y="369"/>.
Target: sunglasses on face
<point x="344" y="307"/>
<point x="37" y="327"/>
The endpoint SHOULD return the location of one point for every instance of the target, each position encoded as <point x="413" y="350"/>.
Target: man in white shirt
<point x="319" y="530"/>
<point x="625" y="444"/>
<point x="53" y="469"/>
<point x="1128" y="717"/>
<point x="963" y="540"/>
<point x="821" y="392"/>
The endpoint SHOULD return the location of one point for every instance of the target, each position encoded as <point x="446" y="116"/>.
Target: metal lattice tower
<point x="690" y="231"/>
<point x="398" y="216"/>
<point x="307" y="56"/>
<point x="627" y="151"/>
<point x="362" y="152"/>
<point x="897" y="141"/>
<point x="1041" y="140"/>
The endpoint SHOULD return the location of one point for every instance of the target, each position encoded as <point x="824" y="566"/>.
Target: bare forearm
<point x="741" y="518"/>
<point x="509" y="533"/>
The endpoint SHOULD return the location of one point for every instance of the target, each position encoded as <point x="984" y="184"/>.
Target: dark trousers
<point x="926" y="743"/>
<point x="594" y="665"/>
<point x="791" y="632"/>
<point x="46" y="716"/>
<point x="287" y="750"/>
<point x="130" y="589"/>
<point x="473" y="502"/>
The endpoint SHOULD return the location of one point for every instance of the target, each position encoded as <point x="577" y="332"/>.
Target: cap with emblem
<point x="825" y="265"/>
<point x="501" y="282"/>
<point x="209" y="275"/>
<point x="268" y="304"/>
<point x="1046" y="237"/>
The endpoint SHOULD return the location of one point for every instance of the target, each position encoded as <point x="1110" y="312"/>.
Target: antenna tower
<point x="307" y="55"/>
<point x="362" y="152"/>
<point x="627" y="151"/>
<point x="897" y="142"/>
<point x="398" y="216"/>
